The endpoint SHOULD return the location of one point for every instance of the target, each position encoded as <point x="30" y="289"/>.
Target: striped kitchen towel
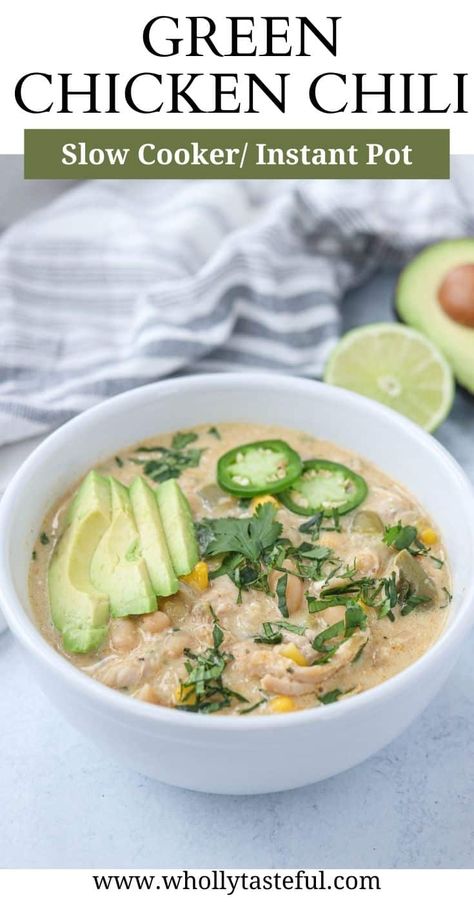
<point x="120" y="283"/>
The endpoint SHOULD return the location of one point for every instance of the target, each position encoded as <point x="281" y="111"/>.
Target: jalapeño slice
<point x="258" y="468"/>
<point x="326" y="486"/>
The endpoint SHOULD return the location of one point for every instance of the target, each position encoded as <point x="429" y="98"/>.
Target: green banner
<point x="236" y="153"/>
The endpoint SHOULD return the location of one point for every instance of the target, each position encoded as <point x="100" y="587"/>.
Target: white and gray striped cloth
<point x="121" y="283"/>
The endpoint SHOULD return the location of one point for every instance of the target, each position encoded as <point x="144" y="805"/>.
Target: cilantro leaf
<point x="168" y="463"/>
<point x="355" y="619"/>
<point x="319" y="642"/>
<point x="254" y="707"/>
<point x="272" y="632"/>
<point x="182" y="439"/>
<point x="399" y="536"/>
<point x="329" y="697"/>
<point x="204" y="690"/>
<point x="247" y="544"/>
<point x="281" y="594"/>
<point x="248" y="536"/>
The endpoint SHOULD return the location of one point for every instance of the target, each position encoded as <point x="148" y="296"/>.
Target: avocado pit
<point x="456" y="295"/>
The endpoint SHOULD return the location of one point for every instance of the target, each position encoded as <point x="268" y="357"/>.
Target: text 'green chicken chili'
<point x="326" y="486"/>
<point x="259" y="467"/>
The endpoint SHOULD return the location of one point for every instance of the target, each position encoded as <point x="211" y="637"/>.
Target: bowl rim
<point x="118" y="705"/>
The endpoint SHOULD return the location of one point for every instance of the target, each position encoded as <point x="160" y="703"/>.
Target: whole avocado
<point x="435" y="294"/>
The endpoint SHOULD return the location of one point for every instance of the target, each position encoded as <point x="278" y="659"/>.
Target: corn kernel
<point x="199" y="576"/>
<point x="428" y="536"/>
<point x="185" y="695"/>
<point x="282" y="704"/>
<point x="263" y="499"/>
<point x="294" y="654"/>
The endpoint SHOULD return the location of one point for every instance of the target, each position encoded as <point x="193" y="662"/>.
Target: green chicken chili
<point x="263" y="590"/>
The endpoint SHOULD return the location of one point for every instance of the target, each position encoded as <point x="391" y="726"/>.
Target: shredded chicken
<point x="297" y="680"/>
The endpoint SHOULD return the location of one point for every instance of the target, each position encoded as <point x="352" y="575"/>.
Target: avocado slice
<point x="152" y="538"/>
<point x="79" y="611"/>
<point x="178" y="525"/>
<point x="118" y="568"/>
<point x="435" y="294"/>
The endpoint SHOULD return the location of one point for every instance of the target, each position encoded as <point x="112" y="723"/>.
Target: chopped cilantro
<point x="399" y="536"/>
<point x="290" y="627"/>
<point x="309" y="559"/>
<point x="169" y="462"/>
<point x="281" y="595"/>
<point x="253" y="707"/>
<point x="215" y="432"/>
<point x="203" y="690"/>
<point x="252" y="546"/>
<point x="118" y="461"/>
<point x="247" y="536"/>
<point x="245" y="543"/>
<point x="315" y="524"/>
<point x="406" y="537"/>
<point x="354" y="618"/>
<point x="182" y="439"/>
<point x="44" y="539"/>
<point x="315" y="605"/>
<point x="272" y="632"/>
<point x="329" y="697"/>
<point x="271" y="635"/>
<point x="381" y="594"/>
<point x="331" y="632"/>
<point x="359" y="653"/>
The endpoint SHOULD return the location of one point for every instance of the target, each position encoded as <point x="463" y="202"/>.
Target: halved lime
<point x="396" y="366"/>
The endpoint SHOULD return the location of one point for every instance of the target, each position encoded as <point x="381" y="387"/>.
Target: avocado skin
<point x="178" y="525"/>
<point x="117" y="567"/>
<point x="153" y="542"/>
<point x="416" y="304"/>
<point x="79" y="612"/>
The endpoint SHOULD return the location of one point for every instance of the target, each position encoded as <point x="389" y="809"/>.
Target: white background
<point x="79" y="885"/>
<point x="106" y="36"/>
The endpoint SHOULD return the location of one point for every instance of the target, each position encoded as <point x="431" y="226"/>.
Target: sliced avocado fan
<point x="435" y="294"/>
<point x="121" y="548"/>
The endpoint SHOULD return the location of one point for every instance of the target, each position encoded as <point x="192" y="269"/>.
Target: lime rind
<point x="398" y="367"/>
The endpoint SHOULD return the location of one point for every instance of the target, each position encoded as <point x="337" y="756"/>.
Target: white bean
<point x="123" y="635"/>
<point x="156" y="622"/>
<point x="122" y="674"/>
<point x="176" y="643"/>
<point x="334" y="615"/>
<point x="294" y="587"/>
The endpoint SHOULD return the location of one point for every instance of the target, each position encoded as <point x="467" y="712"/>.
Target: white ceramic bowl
<point x="239" y="754"/>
